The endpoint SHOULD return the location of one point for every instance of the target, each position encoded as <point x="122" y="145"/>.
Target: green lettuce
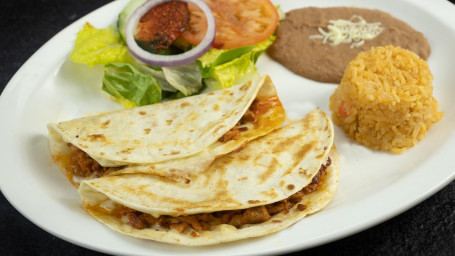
<point x="185" y="79"/>
<point x="215" y="57"/>
<point x="99" y="46"/>
<point x="225" y="68"/>
<point x="133" y="83"/>
<point x="231" y="73"/>
<point x="129" y="86"/>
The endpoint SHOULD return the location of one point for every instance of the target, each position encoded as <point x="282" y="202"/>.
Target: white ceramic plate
<point x="373" y="186"/>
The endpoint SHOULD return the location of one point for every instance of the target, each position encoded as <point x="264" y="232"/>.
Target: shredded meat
<point x="295" y="198"/>
<point x="260" y="107"/>
<point x="135" y="218"/>
<point x="137" y="221"/>
<point x="84" y="166"/>
<point x="248" y="117"/>
<point x="180" y="227"/>
<point x="257" y="108"/>
<point x="255" y="215"/>
<point x="192" y="220"/>
<point x="301" y="207"/>
<point x="232" y="134"/>
<point x="315" y="182"/>
<point x="278" y="207"/>
<point x="237" y="218"/>
<point x="225" y="216"/>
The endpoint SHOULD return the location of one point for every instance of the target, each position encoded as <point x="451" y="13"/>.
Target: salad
<point x="164" y="49"/>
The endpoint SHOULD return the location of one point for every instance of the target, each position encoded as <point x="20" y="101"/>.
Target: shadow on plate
<point x="86" y="79"/>
<point x="42" y="167"/>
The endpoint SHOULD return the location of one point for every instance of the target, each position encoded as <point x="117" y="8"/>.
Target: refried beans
<point x="312" y="59"/>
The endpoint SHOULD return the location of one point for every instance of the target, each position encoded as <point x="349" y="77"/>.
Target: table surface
<point x="426" y="229"/>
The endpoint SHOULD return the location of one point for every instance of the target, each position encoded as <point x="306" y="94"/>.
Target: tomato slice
<point x="238" y="22"/>
<point x="162" y="25"/>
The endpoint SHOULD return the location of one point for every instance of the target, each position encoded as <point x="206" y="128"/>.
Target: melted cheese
<point x="355" y="30"/>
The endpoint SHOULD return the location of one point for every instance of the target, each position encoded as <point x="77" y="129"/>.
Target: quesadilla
<point x="272" y="183"/>
<point x="174" y="139"/>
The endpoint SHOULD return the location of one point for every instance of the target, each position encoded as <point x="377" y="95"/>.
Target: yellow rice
<point x="385" y="99"/>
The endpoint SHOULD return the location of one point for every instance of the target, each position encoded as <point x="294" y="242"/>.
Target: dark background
<point x="426" y="229"/>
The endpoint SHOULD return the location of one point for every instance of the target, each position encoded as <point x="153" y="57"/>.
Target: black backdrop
<point x="426" y="229"/>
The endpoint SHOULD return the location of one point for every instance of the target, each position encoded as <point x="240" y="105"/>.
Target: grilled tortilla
<point x="272" y="183"/>
<point x="173" y="139"/>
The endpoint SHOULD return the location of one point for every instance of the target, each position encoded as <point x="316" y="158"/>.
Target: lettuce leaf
<point x="225" y="68"/>
<point x="133" y="83"/>
<point x="158" y="74"/>
<point x="99" y="46"/>
<point x="185" y="78"/>
<point x="129" y="86"/>
<point x="261" y="47"/>
<point x="231" y="73"/>
<point x="215" y="57"/>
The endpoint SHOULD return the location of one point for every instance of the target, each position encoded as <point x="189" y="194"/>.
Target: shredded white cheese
<point x="108" y="205"/>
<point x="355" y="30"/>
<point x="77" y="179"/>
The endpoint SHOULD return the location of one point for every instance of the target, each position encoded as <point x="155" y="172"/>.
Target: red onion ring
<point x="169" y="60"/>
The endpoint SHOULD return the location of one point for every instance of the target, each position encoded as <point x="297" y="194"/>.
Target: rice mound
<point x="385" y="99"/>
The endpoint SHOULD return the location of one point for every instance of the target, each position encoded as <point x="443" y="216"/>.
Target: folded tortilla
<point x="173" y="139"/>
<point x="288" y="173"/>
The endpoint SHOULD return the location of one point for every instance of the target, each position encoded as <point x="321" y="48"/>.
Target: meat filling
<point x="232" y="134"/>
<point x="237" y="218"/>
<point x="257" y="108"/>
<point x="84" y="166"/>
